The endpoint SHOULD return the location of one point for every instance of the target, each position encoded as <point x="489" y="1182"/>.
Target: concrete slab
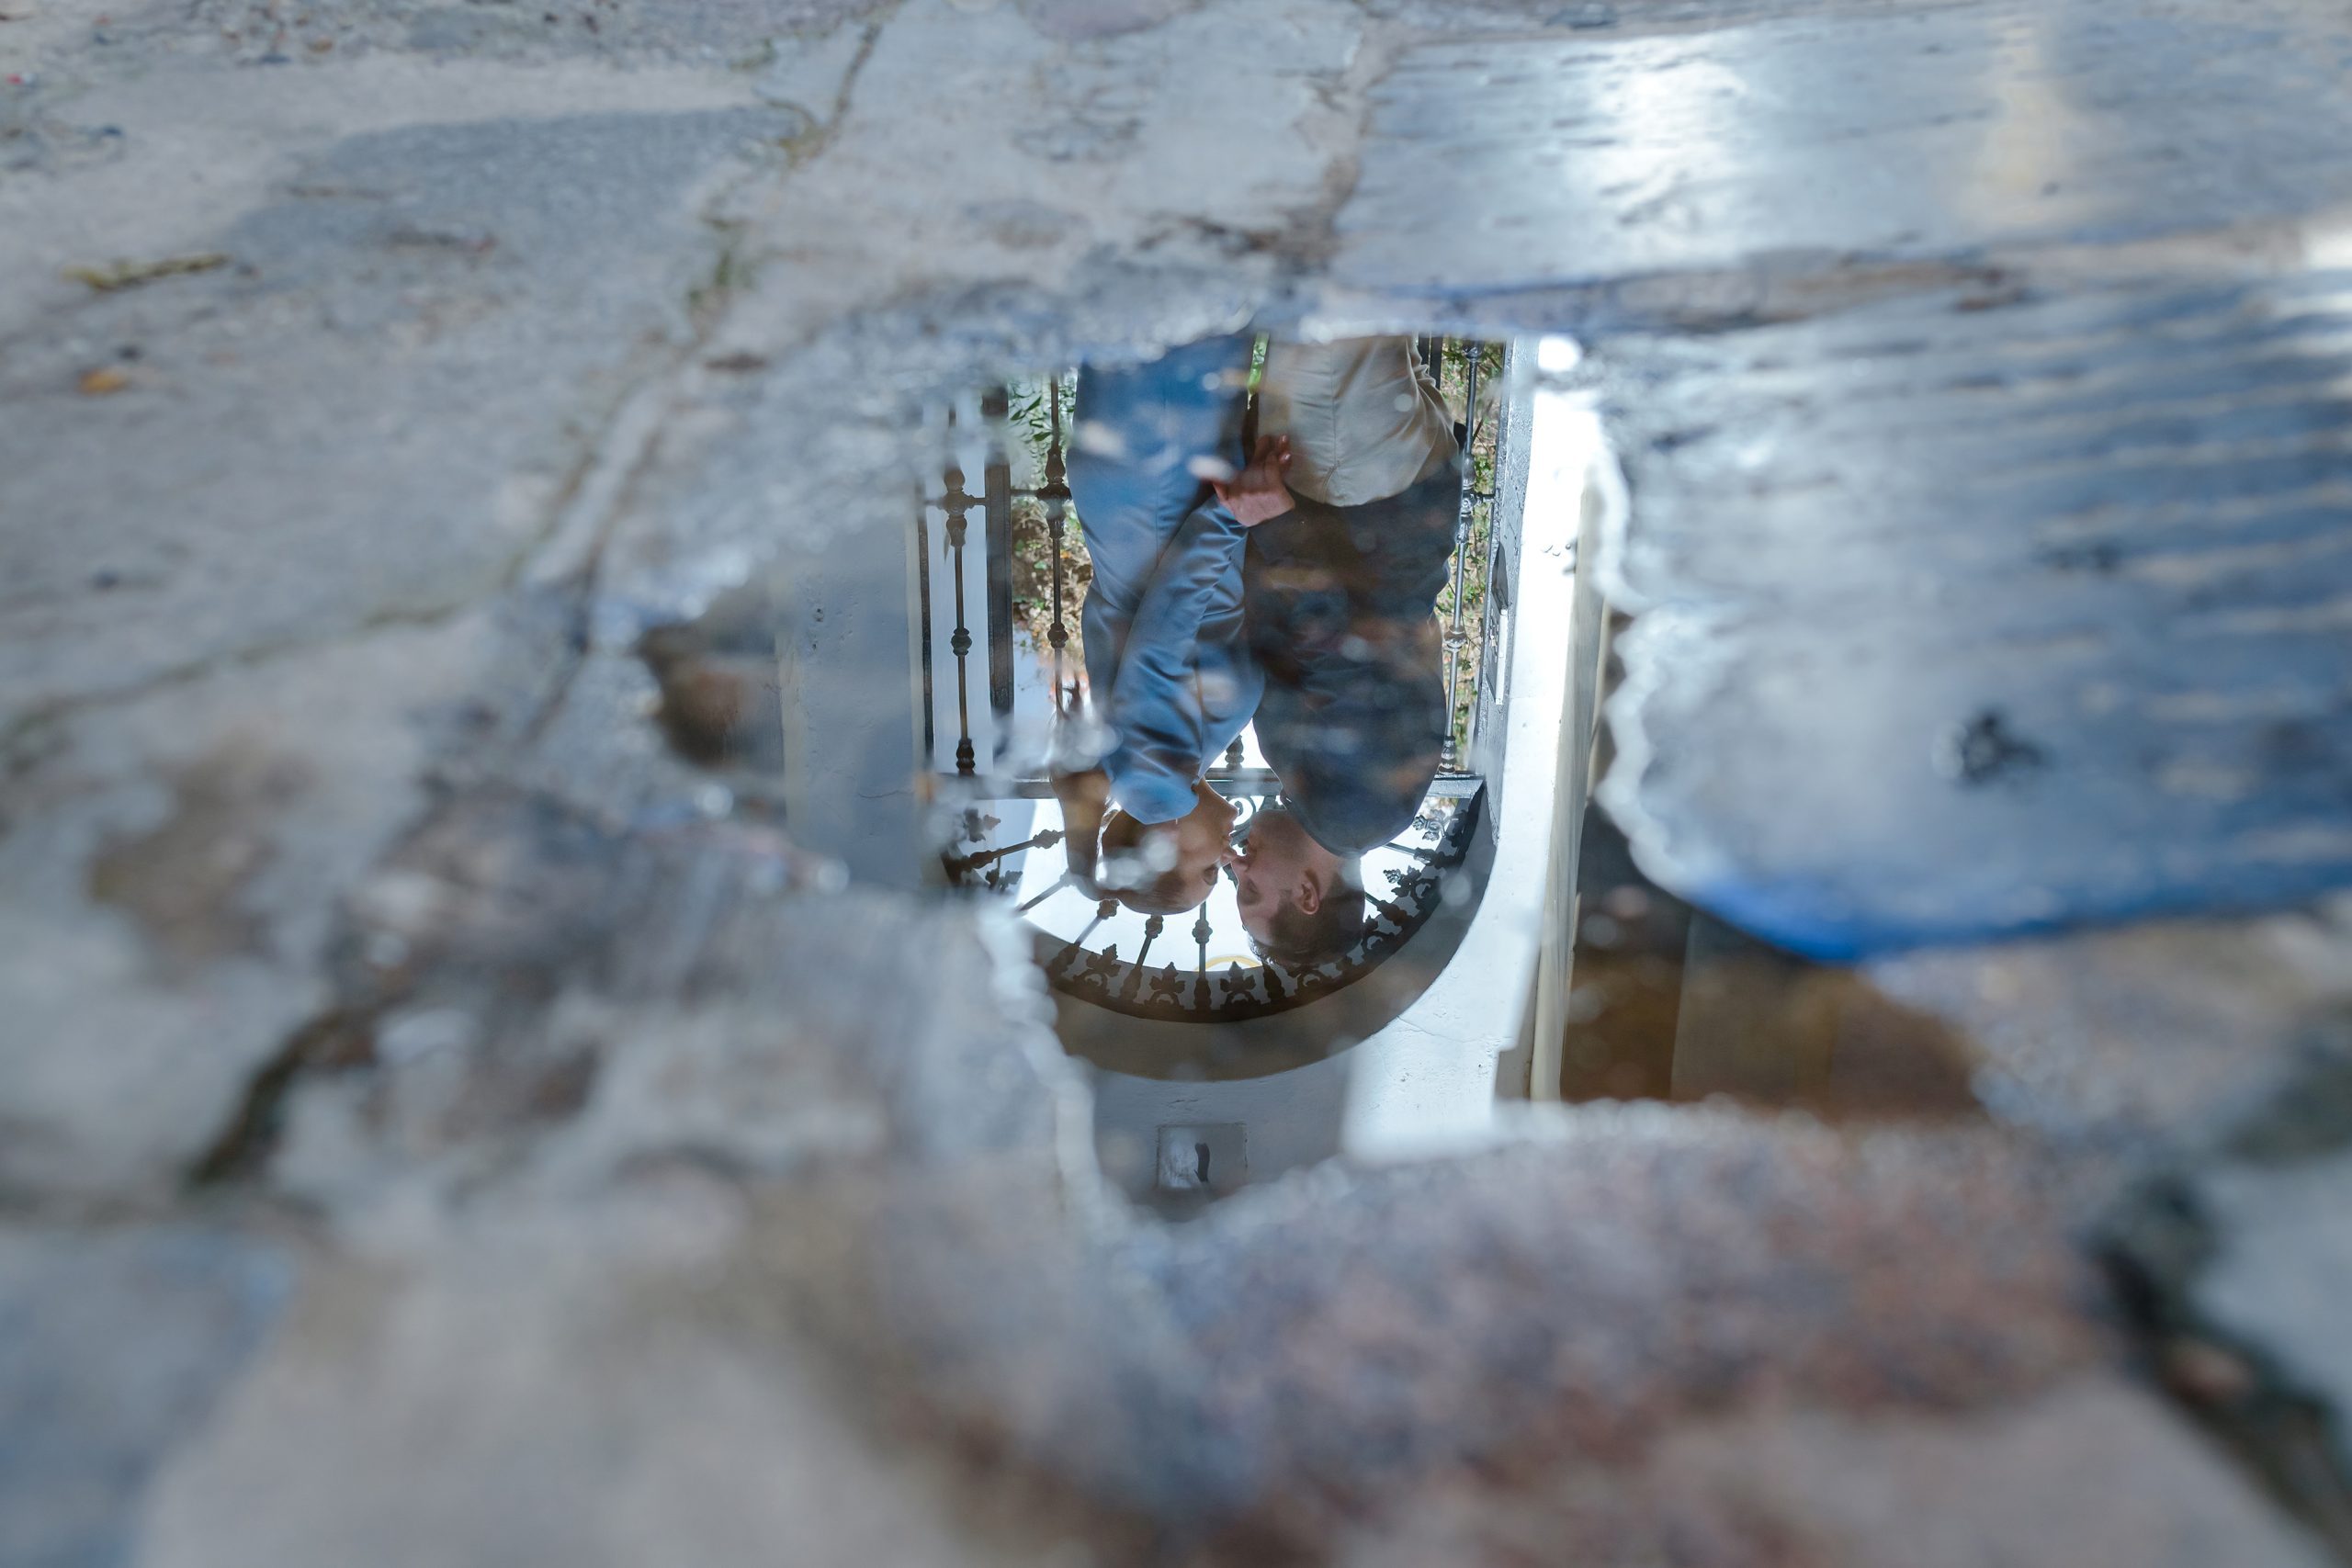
<point x="2094" y="1472"/>
<point x="171" y="875"/>
<point x="303" y="469"/>
<point x="118" y="1346"/>
<point x="1921" y="132"/>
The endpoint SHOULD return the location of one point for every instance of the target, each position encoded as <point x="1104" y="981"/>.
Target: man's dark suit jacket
<point x="1338" y="605"/>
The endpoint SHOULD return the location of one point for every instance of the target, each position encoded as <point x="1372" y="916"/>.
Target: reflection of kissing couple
<point x="1292" y="584"/>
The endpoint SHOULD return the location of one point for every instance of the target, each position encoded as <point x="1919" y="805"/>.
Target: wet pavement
<point x="563" y="993"/>
<point x="1221" y="1054"/>
<point x="2047" y="617"/>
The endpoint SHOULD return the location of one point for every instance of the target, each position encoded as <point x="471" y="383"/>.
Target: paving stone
<point x="192" y="144"/>
<point x="2114" y="501"/>
<point x="726" y="33"/>
<point x="813" y="73"/>
<point x="1405" y="1320"/>
<point x="909" y="1166"/>
<point x="481" y="267"/>
<point x="170" y="875"/>
<point x="2230" y="1258"/>
<point x="604" y="999"/>
<point x="1101" y="18"/>
<point x="1342" y="1342"/>
<point x="2091" y="1472"/>
<point x="535" y="1409"/>
<point x="2154" y="1042"/>
<point x="1915" y="132"/>
<point x="1102" y="134"/>
<point x="117" y="1346"/>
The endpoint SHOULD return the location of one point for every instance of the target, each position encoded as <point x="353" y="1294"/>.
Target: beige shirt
<point x="1363" y="419"/>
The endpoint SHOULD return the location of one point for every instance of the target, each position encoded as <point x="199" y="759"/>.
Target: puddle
<point x="1672" y="1004"/>
<point x="1282" y="754"/>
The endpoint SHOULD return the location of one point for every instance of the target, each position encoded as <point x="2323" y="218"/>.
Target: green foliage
<point x="1456" y="362"/>
<point x="1029" y="419"/>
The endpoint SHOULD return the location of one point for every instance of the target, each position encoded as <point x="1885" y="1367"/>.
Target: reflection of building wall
<point x="1438" y="1019"/>
<point x="1423" y="1081"/>
<point x="845" y="635"/>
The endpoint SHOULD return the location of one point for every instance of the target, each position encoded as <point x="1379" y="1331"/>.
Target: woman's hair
<point x="1175" y="891"/>
<point x="1170" y="893"/>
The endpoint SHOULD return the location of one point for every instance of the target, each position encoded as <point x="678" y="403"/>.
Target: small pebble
<point x="103" y="382"/>
<point x="2205" y="1373"/>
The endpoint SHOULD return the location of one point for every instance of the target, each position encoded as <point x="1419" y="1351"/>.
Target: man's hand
<point x="1085" y="796"/>
<point x="1258" y="493"/>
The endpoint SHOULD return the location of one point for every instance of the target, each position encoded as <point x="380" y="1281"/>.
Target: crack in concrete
<point x="339" y="1035"/>
<point x="58" y="711"/>
<point x="607" y="482"/>
<point x="2162" y="1239"/>
<point x="565" y="552"/>
<point x="2274" y="1433"/>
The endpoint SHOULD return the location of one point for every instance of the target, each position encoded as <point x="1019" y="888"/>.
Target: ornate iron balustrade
<point x="1197" y="991"/>
<point x="998" y="494"/>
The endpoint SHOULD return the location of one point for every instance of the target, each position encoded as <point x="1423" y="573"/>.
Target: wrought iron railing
<point x="1405" y="884"/>
<point x="995" y="500"/>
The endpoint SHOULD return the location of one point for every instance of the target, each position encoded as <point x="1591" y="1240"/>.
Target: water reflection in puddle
<point x="1261" y="683"/>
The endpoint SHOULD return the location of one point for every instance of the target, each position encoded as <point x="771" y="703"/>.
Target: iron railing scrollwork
<point x="1200" y="993"/>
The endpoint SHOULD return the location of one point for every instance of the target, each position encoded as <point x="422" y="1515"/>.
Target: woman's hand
<point x="1258" y="494"/>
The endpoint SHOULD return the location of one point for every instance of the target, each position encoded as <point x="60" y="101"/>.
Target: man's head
<point x="1301" y="903"/>
<point x="1166" y="868"/>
